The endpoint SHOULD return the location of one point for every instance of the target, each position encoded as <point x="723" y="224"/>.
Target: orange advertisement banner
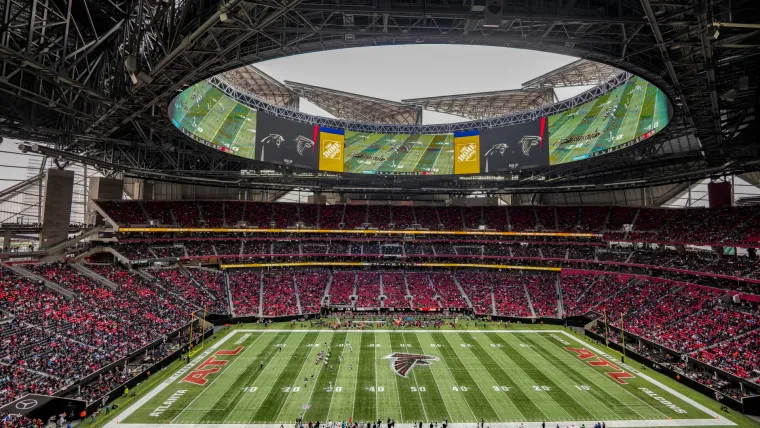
<point x="331" y="147"/>
<point x="467" y="154"/>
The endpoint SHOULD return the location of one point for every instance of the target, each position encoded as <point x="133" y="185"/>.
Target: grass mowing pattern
<point x="272" y="405"/>
<point x="320" y="403"/>
<point x="235" y="392"/>
<point x="466" y="385"/>
<point x="365" y="400"/>
<point x="542" y="380"/>
<point x="521" y="402"/>
<point x="500" y="377"/>
<point x="608" y="404"/>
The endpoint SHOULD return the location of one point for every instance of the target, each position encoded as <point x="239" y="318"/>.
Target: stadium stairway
<point x="229" y="293"/>
<point x="34" y="277"/>
<point x="157" y="283"/>
<point x="326" y="296"/>
<point x="530" y="303"/>
<point x="728" y="339"/>
<point x="261" y="293"/>
<point x="94" y="276"/>
<point x="559" y="296"/>
<point x="188" y="272"/>
<point x="298" y="297"/>
<point x="461" y="290"/>
<point x="120" y="257"/>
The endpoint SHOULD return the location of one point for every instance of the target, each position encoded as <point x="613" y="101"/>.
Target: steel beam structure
<point x="255" y="82"/>
<point x="488" y="105"/>
<point x="360" y="108"/>
<point x="578" y="73"/>
<point x="94" y="79"/>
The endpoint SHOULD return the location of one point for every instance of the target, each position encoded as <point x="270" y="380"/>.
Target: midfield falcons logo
<point x="402" y="363"/>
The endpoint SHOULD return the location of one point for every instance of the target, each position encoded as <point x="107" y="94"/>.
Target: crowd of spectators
<point x="212" y="212"/>
<point x="421" y="290"/>
<point x="205" y="294"/>
<point x="379" y="216"/>
<point x="342" y="288"/>
<point x="311" y="289"/>
<point x="279" y="294"/>
<point x="542" y="289"/>
<point x="54" y="342"/>
<point x="355" y="216"/>
<point x="478" y="286"/>
<point x="368" y="290"/>
<point x="245" y="288"/>
<point x="699" y="225"/>
<point x="509" y="296"/>
<point x="394" y="288"/>
<point x="403" y="217"/>
<point x="740" y="356"/>
<point x="447" y="289"/>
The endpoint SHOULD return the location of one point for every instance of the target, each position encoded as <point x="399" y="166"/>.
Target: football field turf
<point x="257" y="377"/>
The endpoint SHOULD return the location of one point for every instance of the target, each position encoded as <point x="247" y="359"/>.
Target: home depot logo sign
<point x="211" y="365"/>
<point x="584" y="354"/>
<point x="332" y="150"/>
<point x="467" y="152"/>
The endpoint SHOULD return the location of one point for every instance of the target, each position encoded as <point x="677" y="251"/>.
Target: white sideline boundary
<point x="718" y="421"/>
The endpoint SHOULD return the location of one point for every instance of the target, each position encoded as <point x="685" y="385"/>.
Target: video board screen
<point x="207" y="115"/>
<point x="368" y="153"/>
<point x="620" y="118"/>
<point x="515" y="147"/>
<point x="624" y="116"/>
<point x="286" y="142"/>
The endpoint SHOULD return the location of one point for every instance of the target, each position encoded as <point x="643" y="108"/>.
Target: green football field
<point x="270" y="377"/>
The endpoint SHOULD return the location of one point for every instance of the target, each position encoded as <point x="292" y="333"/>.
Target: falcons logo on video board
<point x="402" y="363"/>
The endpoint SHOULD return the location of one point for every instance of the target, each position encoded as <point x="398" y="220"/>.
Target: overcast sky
<point x="415" y="71"/>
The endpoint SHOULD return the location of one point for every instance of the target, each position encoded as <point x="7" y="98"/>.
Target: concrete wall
<point x="102" y="188"/>
<point x="56" y="211"/>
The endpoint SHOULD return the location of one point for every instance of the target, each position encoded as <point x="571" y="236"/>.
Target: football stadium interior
<point x="363" y="213"/>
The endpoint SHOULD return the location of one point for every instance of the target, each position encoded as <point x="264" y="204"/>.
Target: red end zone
<point x="211" y="365"/>
<point x="619" y="374"/>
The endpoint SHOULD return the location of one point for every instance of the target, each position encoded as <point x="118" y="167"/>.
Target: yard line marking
<point x="571" y="381"/>
<point x="273" y="386"/>
<point x="298" y="376"/>
<point x="436" y="384"/>
<point x="618" y="424"/>
<point x="356" y="376"/>
<point x="254" y="381"/>
<point x="496" y="383"/>
<point x="377" y="394"/>
<point x="473" y="380"/>
<point x="414" y="375"/>
<point x="337" y="376"/>
<point x="475" y="418"/>
<point x="298" y="379"/>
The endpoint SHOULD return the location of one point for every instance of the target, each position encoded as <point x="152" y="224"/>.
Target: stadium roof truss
<point x="94" y="79"/>
<point x="486" y="105"/>
<point x="253" y="81"/>
<point x="578" y="73"/>
<point x="359" y="108"/>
